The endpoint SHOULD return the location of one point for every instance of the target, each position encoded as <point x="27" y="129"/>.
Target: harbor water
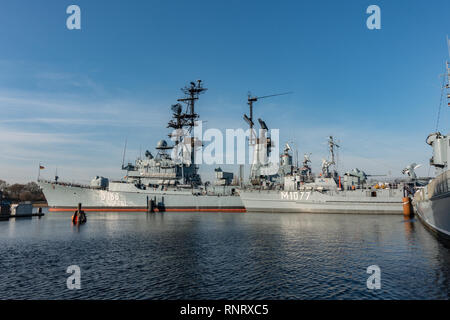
<point x="221" y="256"/>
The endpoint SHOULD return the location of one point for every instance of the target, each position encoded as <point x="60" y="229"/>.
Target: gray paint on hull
<point x="435" y="214"/>
<point x="389" y="202"/>
<point x="63" y="196"/>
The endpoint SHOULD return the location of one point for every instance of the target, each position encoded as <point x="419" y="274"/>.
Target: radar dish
<point x="162" y="144"/>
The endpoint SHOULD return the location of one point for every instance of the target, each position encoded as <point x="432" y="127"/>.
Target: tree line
<point x="21" y="192"/>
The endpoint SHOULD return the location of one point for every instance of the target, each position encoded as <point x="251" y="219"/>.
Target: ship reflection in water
<point x="222" y="256"/>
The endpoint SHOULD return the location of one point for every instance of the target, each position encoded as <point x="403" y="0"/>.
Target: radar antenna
<point x="124" y="151"/>
<point x="192" y="93"/>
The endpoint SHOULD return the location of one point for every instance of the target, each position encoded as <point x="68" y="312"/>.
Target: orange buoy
<point x="407" y="207"/>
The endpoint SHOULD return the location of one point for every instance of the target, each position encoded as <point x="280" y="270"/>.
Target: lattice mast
<point x="187" y="119"/>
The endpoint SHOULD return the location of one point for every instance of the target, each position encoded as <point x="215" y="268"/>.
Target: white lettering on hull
<point x="294" y="195"/>
<point x="111" y="199"/>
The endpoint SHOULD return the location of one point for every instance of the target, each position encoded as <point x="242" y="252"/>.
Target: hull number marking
<point x="294" y="195"/>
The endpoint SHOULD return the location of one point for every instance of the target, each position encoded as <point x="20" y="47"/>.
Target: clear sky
<point x="68" y="98"/>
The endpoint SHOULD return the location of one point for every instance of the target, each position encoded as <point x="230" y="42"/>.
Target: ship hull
<point x="62" y="197"/>
<point x="435" y="215"/>
<point x="356" y="202"/>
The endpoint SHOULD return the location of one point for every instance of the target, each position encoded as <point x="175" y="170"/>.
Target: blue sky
<point x="68" y="98"/>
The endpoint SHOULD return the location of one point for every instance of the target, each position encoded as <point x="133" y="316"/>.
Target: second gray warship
<point x="432" y="202"/>
<point x="296" y="189"/>
<point x="155" y="183"/>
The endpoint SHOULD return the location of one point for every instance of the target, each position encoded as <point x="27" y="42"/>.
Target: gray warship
<point x="155" y="183"/>
<point x="295" y="188"/>
<point x="432" y="202"/>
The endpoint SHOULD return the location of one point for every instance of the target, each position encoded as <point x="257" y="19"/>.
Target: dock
<point x="25" y="215"/>
<point x="21" y="210"/>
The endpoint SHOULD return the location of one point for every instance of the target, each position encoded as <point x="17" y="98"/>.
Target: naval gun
<point x="413" y="178"/>
<point x="410" y="170"/>
<point x="357" y="178"/>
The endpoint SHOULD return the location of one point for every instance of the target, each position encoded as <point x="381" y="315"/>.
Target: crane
<point x="249" y="119"/>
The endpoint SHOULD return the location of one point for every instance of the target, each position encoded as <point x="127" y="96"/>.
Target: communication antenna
<point x="249" y="119"/>
<point x="192" y="92"/>
<point x="338" y="156"/>
<point x="124" y="151"/>
<point x="448" y="72"/>
<point x="296" y="152"/>
<point x="448" y="46"/>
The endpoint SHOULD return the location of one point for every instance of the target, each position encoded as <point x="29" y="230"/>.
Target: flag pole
<point x="40" y="168"/>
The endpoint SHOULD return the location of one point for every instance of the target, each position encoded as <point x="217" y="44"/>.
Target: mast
<point x="187" y="120"/>
<point x="332" y="145"/>
<point x="436" y="140"/>
<point x="447" y="86"/>
<point x="124" y="151"/>
<point x="192" y="93"/>
<point x="260" y="143"/>
<point x="326" y="164"/>
<point x="448" y="47"/>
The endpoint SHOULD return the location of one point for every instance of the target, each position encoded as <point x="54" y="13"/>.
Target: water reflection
<point x="409" y="228"/>
<point x="222" y="256"/>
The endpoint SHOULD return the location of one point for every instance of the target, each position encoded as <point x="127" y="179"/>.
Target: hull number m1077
<point x="294" y="195"/>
